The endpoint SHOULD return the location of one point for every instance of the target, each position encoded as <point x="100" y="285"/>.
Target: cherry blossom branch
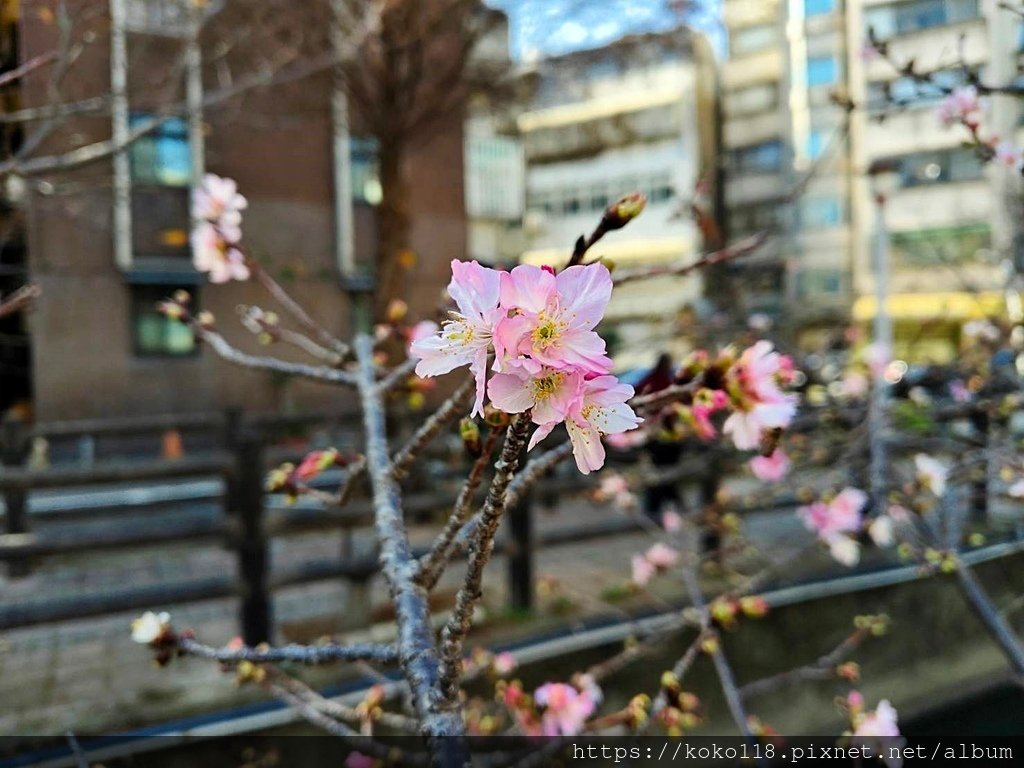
<point x="296" y="310"/>
<point x="29" y="66"/>
<point x="482" y="544"/>
<point x="451" y="409"/>
<point x="823" y="668"/>
<point x="998" y="628"/>
<point x="301" y="654"/>
<point x="417" y="654"/>
<point x="397" y="375"/>
<point x="679" y="670"/>
<point x="263" y="324"/>
<point x="20" y="300"/>
<point x="232" y="355"/>
<point x="315" y="716"/>
<point x="737" y="250"/>
<point x="347" y="714"/>
<point x="432" y="564"/>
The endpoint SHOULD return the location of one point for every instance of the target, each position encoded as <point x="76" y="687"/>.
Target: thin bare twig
<point x="302" y="654"/>
<point x="455" y="631"/>
<point x="432" y="564"/>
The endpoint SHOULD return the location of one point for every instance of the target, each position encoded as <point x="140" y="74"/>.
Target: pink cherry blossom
<point x="213" y="255"/>
<point x="841" y="515"/>
<point x="465" y="338"/>
<point x="671" y="521"/>
<point x="552" y="317"/>
<point x="566" y="709"/>
<point x="747" y="427"/>
<point x="551" y="393"/>
<point x="772" y="468"/>
<point x="218" y="202"/>
<point x="962" y="105"/>
<point x="661" y="556"/>
<point x="504" y="664"/>
<point x="600" y="410"/>
<point x="760" y="404"/>
<point x="1008" y="154"/>
<point x="880" y="723"/>
<point x="643" y="570"/>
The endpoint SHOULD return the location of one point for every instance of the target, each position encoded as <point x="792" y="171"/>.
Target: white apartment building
<point x="635" y="115"/>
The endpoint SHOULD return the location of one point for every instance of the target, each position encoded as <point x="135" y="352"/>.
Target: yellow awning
<point x="932" y="306"/>
<point x="623" y="252"/>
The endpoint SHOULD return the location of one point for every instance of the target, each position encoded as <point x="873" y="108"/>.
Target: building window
<point x="161" y="172"/>
<point x="824" y="211"/>
<point x="163" y="155"/>
<point x="751" y="219"/>
<point x="754" y="39"/>
<point x="757" y="158"/>
<point x="908" y="90"/>
<point x="818" y="7"/>
<point x="752" y="99"/>
<point x="821" y="70"/>
<point x="819" y="282"/>
<point x="815" y="143"/>
<point x="939" y="166"/>
<point x="943" y="245"/>
<point x="366" y="186"/>
<point x="903" y="17"/>
<point x="156" y="335"/>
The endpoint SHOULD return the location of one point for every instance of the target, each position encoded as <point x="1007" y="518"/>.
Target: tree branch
<point x="469" y="595"/>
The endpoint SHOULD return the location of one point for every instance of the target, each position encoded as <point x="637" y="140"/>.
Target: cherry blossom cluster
<point x="878" y="723"/>
<point x="554" y="709"/>
<point x="533" y="332"/>
<point x="963" y="106"/>
<point x="749" y="386"/>
<point x="217" y="211"/>
<point x="838" y="523"/>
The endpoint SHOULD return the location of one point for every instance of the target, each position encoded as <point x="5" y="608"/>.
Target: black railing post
<point x="245" y="502"/>
<point x="521" y="548"/>
<point x="981" y="421"/>
<point x="710" y="511"/>
<point x="15" y="450"/>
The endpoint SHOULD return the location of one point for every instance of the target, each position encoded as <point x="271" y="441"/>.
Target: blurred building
<point x="795" y="163"/>
<point x="785" y="160"/>
<point x="106" y="240"/>
<point x="950" y="218"/>
<point x="638" y="114"/>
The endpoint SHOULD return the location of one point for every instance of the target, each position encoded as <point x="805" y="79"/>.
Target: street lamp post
<point x="884" y="180"/>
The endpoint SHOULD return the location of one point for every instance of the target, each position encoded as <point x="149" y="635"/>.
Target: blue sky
<point x="559" y="26"/>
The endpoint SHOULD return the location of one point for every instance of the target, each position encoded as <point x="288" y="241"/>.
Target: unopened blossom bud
<point x="266" y="339"/>
<point x="849" y="671"/>
<point x="416" y="401"/>
<point x="181" y="296"/>
<point x="170" y="310"/>
<point x="669" y="681"/>
<point x="689" y="720"/>
<point x="710" y="645"/>
<point x="688" y="702"/>
<point x="948" y="564"/>
<point x="638" y="709"/>
<point x="723" y="612"/>
<point x="206" y="319"/>
<point x="754" y="607"/>
<point x="247" y="672"/>
<point x="495" y="418"/>
<point x="624" y="210"/>
<point x="152" y="628"/>
<point x="396" y="311"/>
<point x="469" y="431"/>
<point x="905" y="551"/>
<point x="976" y="539"/>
